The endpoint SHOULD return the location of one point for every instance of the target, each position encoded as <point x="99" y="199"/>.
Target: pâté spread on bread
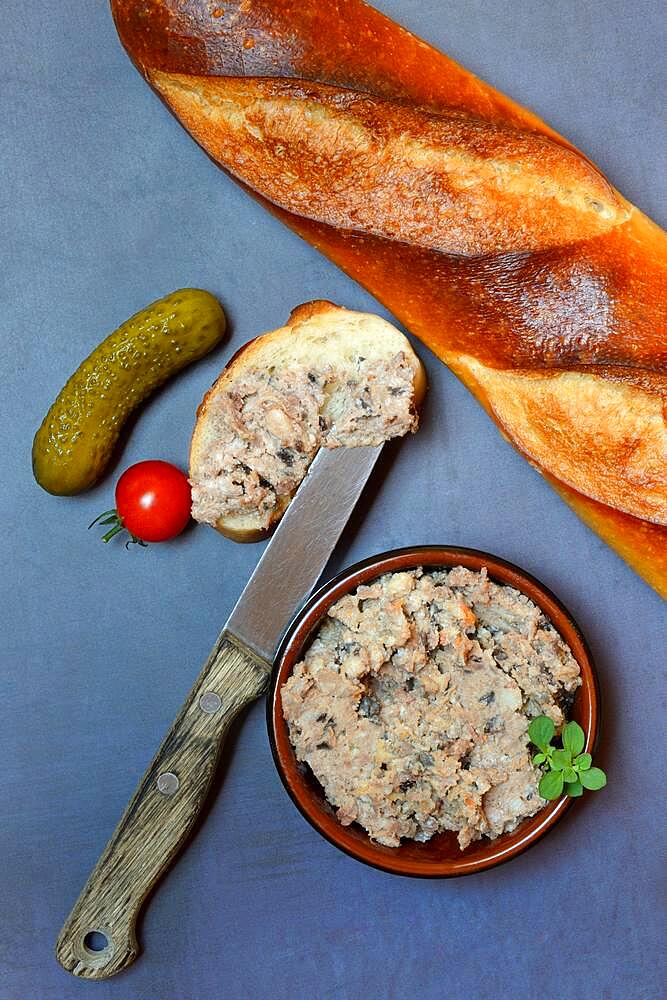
<point x="330" y="378"/>
<point x="412" y="703"/>
<point x="271" y="423"/>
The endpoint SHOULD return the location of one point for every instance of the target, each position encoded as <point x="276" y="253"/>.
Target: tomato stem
<point x="112" y="517"/>
<point x="114" y="531"/>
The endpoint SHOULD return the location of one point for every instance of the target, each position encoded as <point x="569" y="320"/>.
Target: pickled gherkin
<point x="75" y="442"/>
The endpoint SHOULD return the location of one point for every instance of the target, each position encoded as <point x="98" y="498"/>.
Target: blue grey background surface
<point x="108" y="205"/>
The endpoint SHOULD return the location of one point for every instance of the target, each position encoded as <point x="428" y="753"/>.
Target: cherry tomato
<point x="153" y="501"/>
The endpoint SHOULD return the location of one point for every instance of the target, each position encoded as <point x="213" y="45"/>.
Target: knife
<point x="99" y="938"/>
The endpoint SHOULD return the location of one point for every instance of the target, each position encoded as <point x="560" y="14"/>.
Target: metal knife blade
<point x="293" y="561"/>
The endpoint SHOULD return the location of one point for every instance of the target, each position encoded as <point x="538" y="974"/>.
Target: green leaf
<point x="569" y="774"/>
<point x="541" y="731"/>
<point x="551" y="785"/>
<point x="583" y="761"/>
<point x="593" y="778"/>
<point x="573" y="738"/>
<point x="539" y="758"/>
<point x="574" y="789"/>
<point x="561" y="759"/>
<point x="105" y="513"/>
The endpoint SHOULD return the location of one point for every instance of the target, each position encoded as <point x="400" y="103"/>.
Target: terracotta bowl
<point x="440" y="857"/>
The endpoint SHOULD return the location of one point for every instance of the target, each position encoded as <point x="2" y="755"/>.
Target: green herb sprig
<point x="569" y="770"/>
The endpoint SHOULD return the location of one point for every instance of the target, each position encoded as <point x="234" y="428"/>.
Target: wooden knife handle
<point x="159" y="816"/>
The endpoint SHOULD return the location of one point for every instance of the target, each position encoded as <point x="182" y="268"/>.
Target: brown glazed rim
<point x="439" y="857"/>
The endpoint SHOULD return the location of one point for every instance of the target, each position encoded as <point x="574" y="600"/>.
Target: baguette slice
<point x="329" y="378"/>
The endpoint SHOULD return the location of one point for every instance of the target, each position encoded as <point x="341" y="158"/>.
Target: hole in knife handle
<point x="95" y="942"/>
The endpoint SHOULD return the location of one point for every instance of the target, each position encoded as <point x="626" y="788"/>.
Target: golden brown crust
<point x="306" y="311"/>
<point x="597" y="307"/>
<point x="448" y="182"/>
<point x="559" y="415"/>
<point x="643" y="545"/>
<point x="340" y="42"/>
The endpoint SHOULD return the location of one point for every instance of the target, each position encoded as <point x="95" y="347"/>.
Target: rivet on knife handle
<point x="99" y="937"/>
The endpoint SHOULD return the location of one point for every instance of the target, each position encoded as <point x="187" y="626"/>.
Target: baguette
<point x="563" y="344"/>
<point x="330" y="377"/>
<point x="449" y="182"/>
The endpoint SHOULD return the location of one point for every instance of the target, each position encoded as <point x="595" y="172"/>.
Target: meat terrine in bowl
<point x="400" y="704"/>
